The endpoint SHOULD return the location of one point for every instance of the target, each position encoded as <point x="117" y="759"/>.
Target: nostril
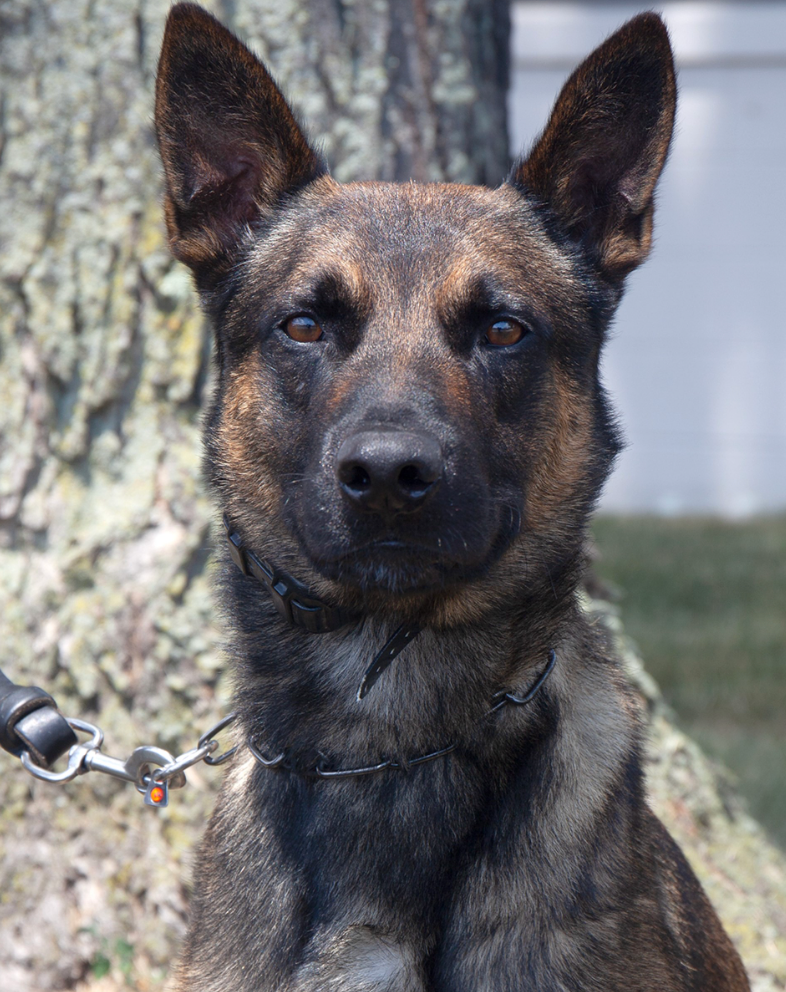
<point x="388" y="471"/>
<point x="411" y="479"/>
<point x="354" y="477"/>
<point x="358" y="479"/>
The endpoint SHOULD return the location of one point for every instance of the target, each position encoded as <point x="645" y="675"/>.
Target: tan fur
<point x="563" y="463"/>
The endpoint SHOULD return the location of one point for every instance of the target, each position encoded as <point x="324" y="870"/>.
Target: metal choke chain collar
<point x="282" y="761"/>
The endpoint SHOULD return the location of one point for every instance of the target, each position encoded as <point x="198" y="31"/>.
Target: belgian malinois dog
<point x="406" y="439"/>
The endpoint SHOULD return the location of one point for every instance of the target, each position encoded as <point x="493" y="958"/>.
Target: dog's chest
<point x="386" y="901"/>
<point x="360" y="959"/>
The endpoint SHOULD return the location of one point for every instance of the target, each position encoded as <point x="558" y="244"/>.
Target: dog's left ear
<point x="598" y="160"/>
<point x="230" y="145"/>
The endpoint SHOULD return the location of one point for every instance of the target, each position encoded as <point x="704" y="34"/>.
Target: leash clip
<point x="76" y="755"/>
<point x="152" y="770"/>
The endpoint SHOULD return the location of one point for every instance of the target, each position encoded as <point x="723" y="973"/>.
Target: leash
<point x="33" y="729"/>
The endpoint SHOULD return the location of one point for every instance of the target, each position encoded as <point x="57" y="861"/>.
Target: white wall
<point x="697" y="363"/>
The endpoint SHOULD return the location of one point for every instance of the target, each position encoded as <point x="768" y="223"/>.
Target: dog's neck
<point x="435" y="693"/>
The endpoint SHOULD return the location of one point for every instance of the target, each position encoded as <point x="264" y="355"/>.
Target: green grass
<point x="705" y="600"/>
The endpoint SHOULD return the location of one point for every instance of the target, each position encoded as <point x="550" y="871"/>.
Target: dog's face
<point x="408" y="391"/>
<point x="412" y="349"/>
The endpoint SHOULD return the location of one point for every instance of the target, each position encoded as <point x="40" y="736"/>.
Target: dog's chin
<point x="393" y="569"/>
<point x="397" y="569"/>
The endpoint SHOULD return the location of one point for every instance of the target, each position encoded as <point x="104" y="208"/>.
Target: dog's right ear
<point x="230" y="144"/>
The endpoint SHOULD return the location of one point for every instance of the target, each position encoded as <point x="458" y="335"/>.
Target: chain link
<point x="283" y="760"/>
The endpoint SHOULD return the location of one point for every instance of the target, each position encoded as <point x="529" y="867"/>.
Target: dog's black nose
<point x="389" y="471"/>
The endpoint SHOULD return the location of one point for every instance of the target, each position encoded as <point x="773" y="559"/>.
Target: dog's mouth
<point x="392" y="565"/>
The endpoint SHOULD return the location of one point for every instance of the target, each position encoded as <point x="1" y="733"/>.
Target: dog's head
<point x="408" y="400"/>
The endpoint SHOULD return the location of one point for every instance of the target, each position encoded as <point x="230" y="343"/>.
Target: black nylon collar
<point x="296" y="604"/>
<point x="299" y="607"/>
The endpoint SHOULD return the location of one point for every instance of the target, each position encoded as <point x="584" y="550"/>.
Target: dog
<point x="439" y="785"/>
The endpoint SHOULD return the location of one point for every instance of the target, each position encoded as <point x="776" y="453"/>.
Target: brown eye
<point x="303" y="329"/>
<point x="504" y="333"/>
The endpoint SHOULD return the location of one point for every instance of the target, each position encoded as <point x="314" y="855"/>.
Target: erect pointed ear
<point x="598" y="160"/>
<point x="229" y="142"/>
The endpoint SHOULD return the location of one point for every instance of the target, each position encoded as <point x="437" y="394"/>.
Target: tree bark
<point x="104" y="529"/>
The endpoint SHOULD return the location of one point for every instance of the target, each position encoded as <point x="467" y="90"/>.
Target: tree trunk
<point x="104" y="530"/>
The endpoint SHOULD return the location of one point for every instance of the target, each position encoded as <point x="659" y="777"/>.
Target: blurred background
<point x="105" y="531"/>
<point x="698" y="364"/>
<point x="692" y="533"/>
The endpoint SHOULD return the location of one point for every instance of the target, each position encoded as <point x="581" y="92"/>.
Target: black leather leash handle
<point x="30" y="721"/>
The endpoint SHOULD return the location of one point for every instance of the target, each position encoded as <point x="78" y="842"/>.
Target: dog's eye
<point x="303" y="329"/>
<point x="504" y="333"/>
